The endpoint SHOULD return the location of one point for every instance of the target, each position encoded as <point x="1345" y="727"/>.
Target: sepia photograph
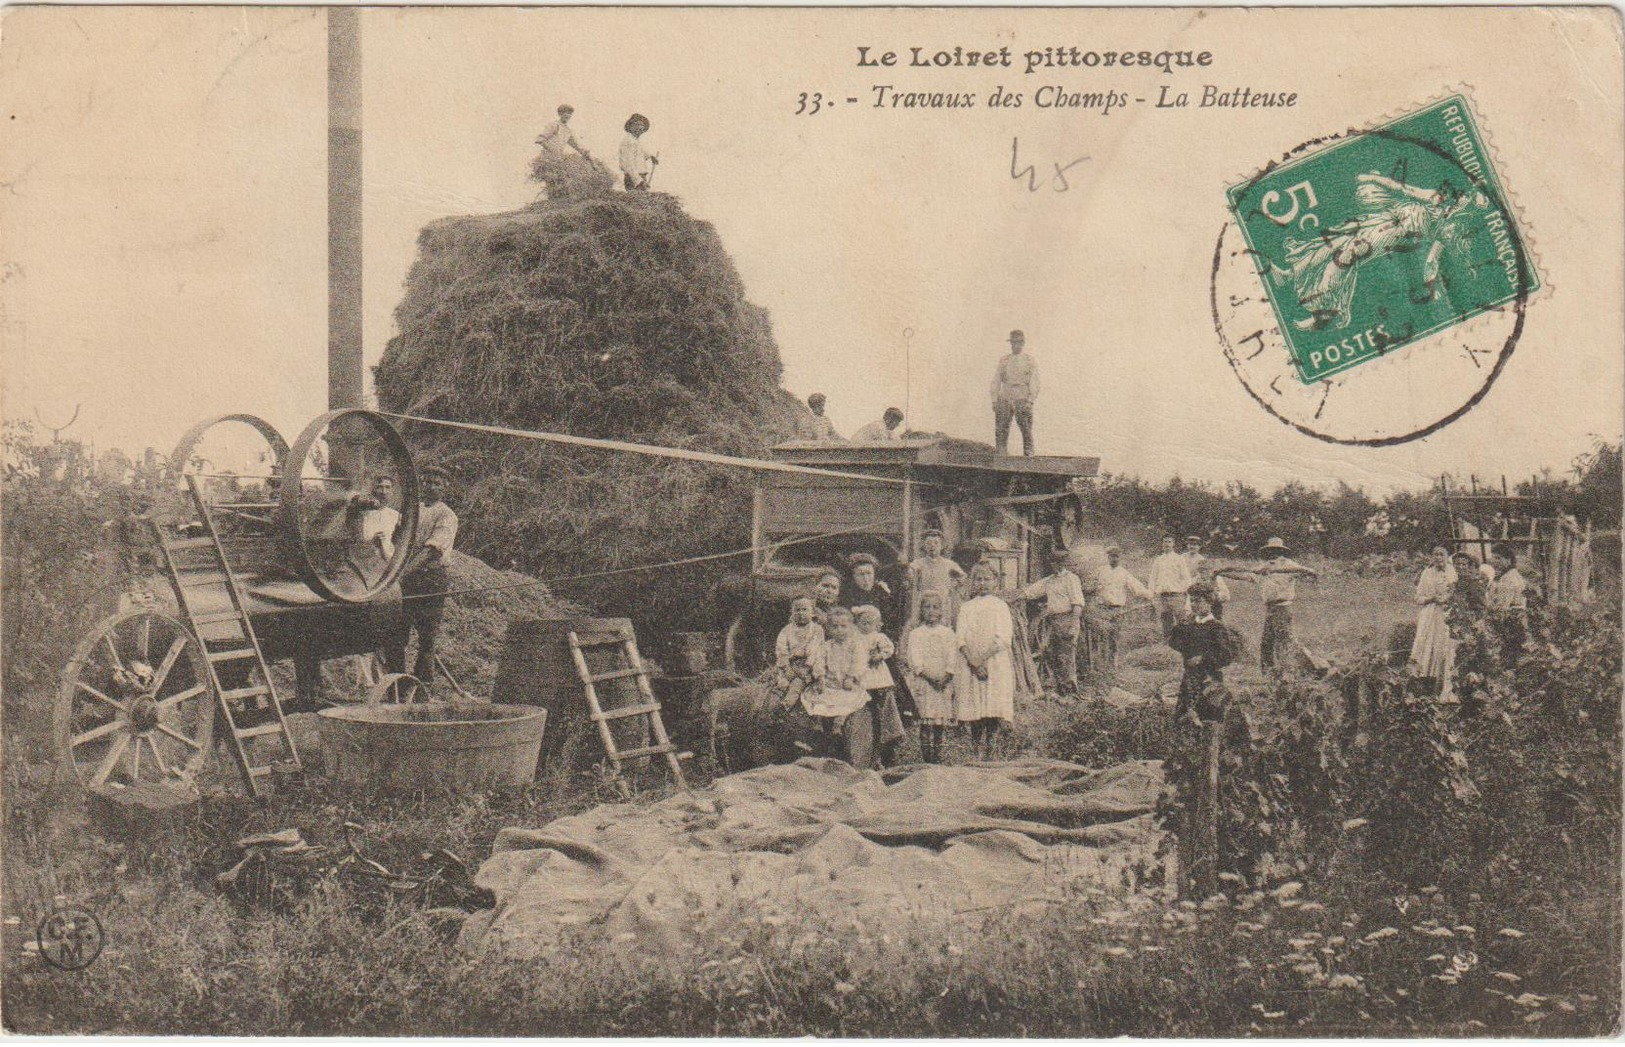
<point x="768" y="522"/>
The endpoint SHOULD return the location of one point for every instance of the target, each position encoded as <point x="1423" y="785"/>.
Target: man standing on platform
<point x="427" y="579"/>
<point x="1015" y="387"/>
<point x="816" y="426"/>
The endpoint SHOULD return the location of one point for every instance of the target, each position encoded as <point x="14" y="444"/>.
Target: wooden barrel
<point x="537" y="668"/>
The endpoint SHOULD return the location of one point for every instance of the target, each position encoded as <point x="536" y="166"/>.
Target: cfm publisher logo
<point x="69" y="939"/>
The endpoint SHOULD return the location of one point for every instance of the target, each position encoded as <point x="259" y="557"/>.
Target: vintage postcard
<point x="779" y="522"/>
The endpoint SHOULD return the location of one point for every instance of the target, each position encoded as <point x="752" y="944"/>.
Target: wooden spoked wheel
<point x="136" y="706"/>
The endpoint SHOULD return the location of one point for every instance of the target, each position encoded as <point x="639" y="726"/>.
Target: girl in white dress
<point x="1433" y="653"/>
<point x="933" y="659"/>
<point x="986" y="692"/>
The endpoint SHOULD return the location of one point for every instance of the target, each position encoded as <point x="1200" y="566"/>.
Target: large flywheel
<point x="344" y="531"/>
<point x="135" y="705"/>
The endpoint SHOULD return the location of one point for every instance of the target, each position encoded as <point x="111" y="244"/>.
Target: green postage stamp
<point x="1383" y="238"/>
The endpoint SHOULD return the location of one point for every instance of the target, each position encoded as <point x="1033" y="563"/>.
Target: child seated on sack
<point x="841" y="691"/>
<point x="798" y="654"/>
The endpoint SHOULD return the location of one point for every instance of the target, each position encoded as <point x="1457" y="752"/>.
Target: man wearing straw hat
<point x="1277" y="581"/>
<point x="637" y="164"/>
<point x="427" y="579"/>
<point x="1015" y="387"/>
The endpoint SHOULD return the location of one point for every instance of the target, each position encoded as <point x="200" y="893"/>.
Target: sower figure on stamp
<point x="426" y="579"/>
<point x="1277" y="583"/>
<point x="1397" y="219"/>
<point x="1015" y="387"/>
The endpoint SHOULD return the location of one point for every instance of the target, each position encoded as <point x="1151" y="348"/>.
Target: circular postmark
<point x="1371" y="286"/>
<point x="69" y="939"/>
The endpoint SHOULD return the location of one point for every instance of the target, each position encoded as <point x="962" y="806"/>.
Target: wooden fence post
<point x="1199" y="836"/>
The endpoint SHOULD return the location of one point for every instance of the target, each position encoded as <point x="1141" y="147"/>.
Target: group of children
<point x="836" y="665"/>
<point x="837" y="669"/>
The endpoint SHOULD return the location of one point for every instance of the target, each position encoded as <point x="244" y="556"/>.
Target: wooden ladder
<point x="628" y="666"/>
<point x="250" y="708"/>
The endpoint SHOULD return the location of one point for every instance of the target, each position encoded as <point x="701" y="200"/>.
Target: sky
<point x="163" y="223"/>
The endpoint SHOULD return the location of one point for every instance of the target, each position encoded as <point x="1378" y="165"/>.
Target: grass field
<point x="1535" y="951"/>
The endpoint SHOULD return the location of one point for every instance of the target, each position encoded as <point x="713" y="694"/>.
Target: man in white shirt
<point x="558" y="135"/>
<point x="378" y="525"/>
<point x="427" y="579"/>
<point x="1114" y="589"/>
<point x="1061" y="623"/>
<point x="816" y="426"/>
<point x="1277" y="581"/>
<point x="1170" y="577"/>
<point x="1193" y="554"/>
<point x="1015" y="387"/>
<point x="881" y="431"/>
<point x="637" y="164"/>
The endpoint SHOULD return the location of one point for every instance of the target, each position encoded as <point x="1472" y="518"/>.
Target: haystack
<point x="595" y="314"/>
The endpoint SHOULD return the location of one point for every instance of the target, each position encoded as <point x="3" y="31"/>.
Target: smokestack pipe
<point x="344" y="360"/>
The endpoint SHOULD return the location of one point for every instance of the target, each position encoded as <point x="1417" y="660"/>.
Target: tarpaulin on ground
<point x="819" y="842"/>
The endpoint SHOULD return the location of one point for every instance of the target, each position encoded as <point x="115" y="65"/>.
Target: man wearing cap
<point x="426" y="579"/>
<point x="881" y="431"/>
<point x="933" y="572"/>
<point x="637" y="163"/>
<point x="1170" y="577"/>
<point x="816" y="426"/>
<point x="1115" y="587"/>
<point x="1061" y="622"/>
<point x="1277" y="581"/>
<point x="558" y="135"/>
<point x="1015" y="387"/>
